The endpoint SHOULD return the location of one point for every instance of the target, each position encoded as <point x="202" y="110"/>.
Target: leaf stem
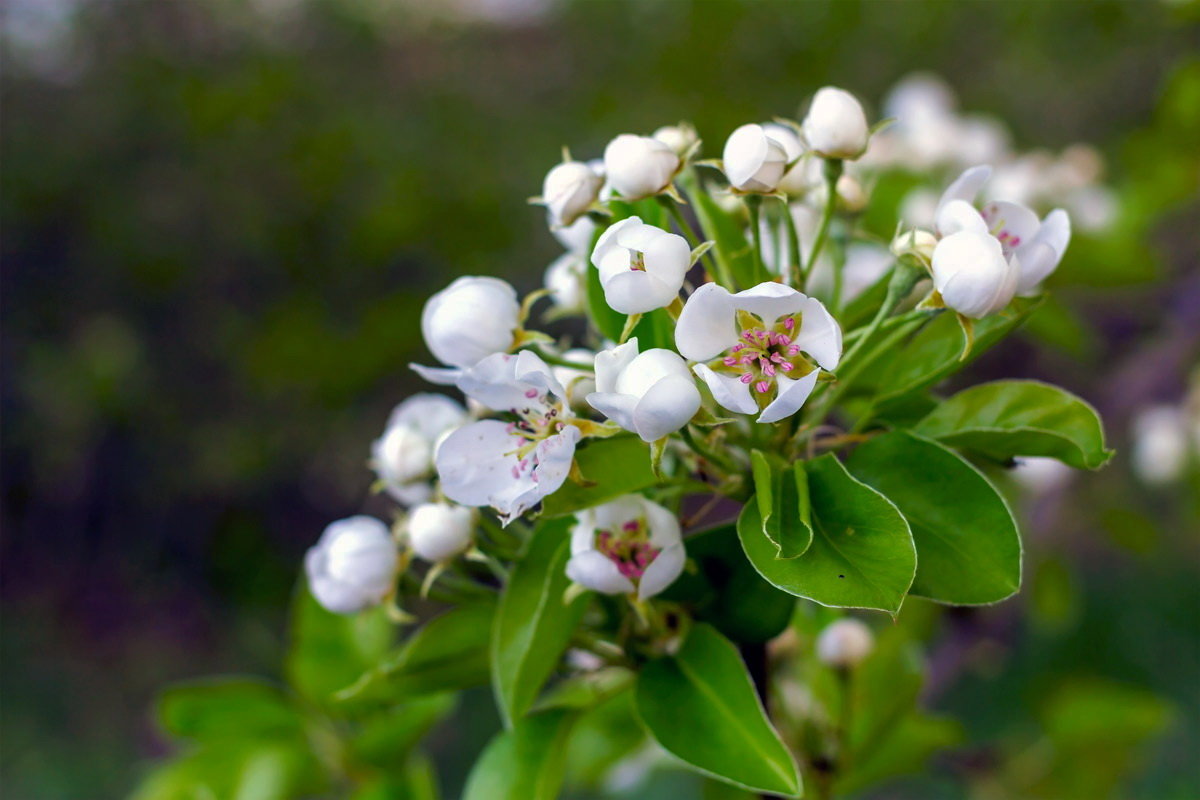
<point x="797" y="275"/>
<point x="754" y="204"/>
<point x="833" y="171"/>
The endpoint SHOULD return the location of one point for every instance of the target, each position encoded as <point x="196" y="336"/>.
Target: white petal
<point x="474" y="464"/>
<point x="727" y="390"/>
<point x="666" y="407"/>
<point x="668" y="258"/>
<point x="612" y="362"/>
<point x="338" y="597"/>
<point x="584" y="532"/>
<point x="429" y="413"/>
<point x="966" y="186"/>
<point x="664" y="525"/>
<point x="706" y="326"/>
<point x="442" y="376"/>
<point x="662" y="572"/>
<point x="595" y="571"/>
<point x="1012" y="223"/>
<point x="554" y="457"/>
<point x="820" y="335"/>
<point x="648" y="369"/>
<point x="959" y="215"/>
<point x="607" y="242"/>
<point x="769" y="301"/>
<point x="617" y="407"/>
<point x="792" y="394"/>
<point x="615" y="513"/>
<point x="636" y="292"/>
<point x="745" y="152"/>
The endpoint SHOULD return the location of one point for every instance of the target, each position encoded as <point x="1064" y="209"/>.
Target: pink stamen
<point x="729" y="361"/>
<point x="769" y="370"/>
<point x="762" y="387"/>
<point x="787" y="366"/>
<point x="531" y="393"/>
<point x="746" y="378"/>
<point x="789" y="323"/>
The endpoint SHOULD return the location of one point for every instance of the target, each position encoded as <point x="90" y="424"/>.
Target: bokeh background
<point x="220" y="219"/>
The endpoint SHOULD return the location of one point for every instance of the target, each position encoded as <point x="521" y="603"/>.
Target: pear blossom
<point x="439" y="531"/>
<point x="467" y="321"/>
<point x="576" y="237"/>
<point x="1036" y="245"/>
<point x="1040" y="475"/>
<point x="639" y="166"/>
<point x="681" y="138"/>
<point x="845" y="643"/>
<point x="510" y="466"/>
<point x="836" y="126"/>
<point x="972" y="274"/>
<point x="625" y="546"/>
<point x="1160" y="444"/>
<point x="569" y="190"/>
<point x="579" y="383"/>
<point x="353" y="564"/>
<point x="403" y="456"/>
<point x="641" y="267"/>
<point x="756" y="156"/>
<point x="651" y="394"/>
<point x="566" y="280"/>
<point x="760" y="350"/>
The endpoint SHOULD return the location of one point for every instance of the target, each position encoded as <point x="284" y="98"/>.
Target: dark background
<point x="220" y="220"/>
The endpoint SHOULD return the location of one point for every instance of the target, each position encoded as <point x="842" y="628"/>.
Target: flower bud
<point x="352" y="565"/>
<point x="639" y="166"/>
<point x="851" y="196"/>
<point x="569" y="191"/>
<point x="439" y="531"/>
<point x="754" y="161"/>
<point x="403" y="456"/>
<point x="915" y="242"/>
<point x="1160" y="444"/>
<point x="576" y="237"/>
<point x="566" y="278"/>
<point x="836" y="126"/>
<point x="972" y="274"/>
<point x="681" y="138"/>
<point x="470" y="319"/>
<point x="651" y="394"/>
<point x="845" y="643"/>
<point x="641" y="267"/>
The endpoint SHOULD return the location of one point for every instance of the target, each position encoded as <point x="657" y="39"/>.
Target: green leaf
<point x="524" y="763"/>
<point x="386" y="739"/>
<point x="781" y="491"/>
<point x="328" y="651"/>
<point x="862" y="553"/>
<point x="700" y="705"/>
<point x="934" y="351"/>
<point x="449" y="652"/>
<point x="228" y="708"/>
<point x="613" y="467"/>
<point x="968" y="547"/>
<point x="532" y="624"/>
<point x="727" y="592"/>
<point x="1003" y="419"/>
<point x="731" y="248"/>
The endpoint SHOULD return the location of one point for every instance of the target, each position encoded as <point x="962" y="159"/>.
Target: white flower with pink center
<point x="510" y="465"/>
<point x="641" y="267"/>
<point x="1036" y="246"/>
<point x="629" y="545"/>
<point x="760" y="350"/>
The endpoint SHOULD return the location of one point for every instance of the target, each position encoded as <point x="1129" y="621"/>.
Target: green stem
<point x="754" y="203"/>
<point x="797" y="276"/>
<point x="693" y="239"/>
<point x="559" y="361"/>
<point x="717" y="268"/>
<point x="833" y="171"/>
<point x="704" y="452"/>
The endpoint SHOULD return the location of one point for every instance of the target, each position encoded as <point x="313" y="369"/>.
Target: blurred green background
<point x="221" y="218"/>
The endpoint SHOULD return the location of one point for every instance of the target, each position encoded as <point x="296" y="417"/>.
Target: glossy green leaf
<point x="328" y="651"/>
<point x="1003" y="419"/>
<point x="781" y="492"/>
<point x="968" y="547"/>
<point x="700" y="705"/>
<point x="227" y="708"/>
<point x="612" y="467"/>
<point x="727" y="592"/>
<point x="524" y="763"/>
<point x="386" y="739"/>
<point x="533" y="624"/>
<point x="862" y="553"/>
<point x="449" y="652"/>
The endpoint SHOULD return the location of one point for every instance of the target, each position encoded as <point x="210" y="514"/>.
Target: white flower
<point x="467" y="321"/>
<point x="641" y="267"/>
<point x="628" y="545"/>
<point x="836" y="126"/>
<point x="755" y="158"/>
<point x="845" y="643"/>
<point x="1036" y="246"/>
<point x="439" y="531"/>
<point x="651" y="394"/>
<point x="509" y="466"/>
<point x="680" y="138"/>
<point x="972" y="274"/>
<point x="579" y="383"/>
<point x="756" y="343"/>
<point x="1040" y="474"/>
<point x="639" y="166"/>
<point x="569" y="190"/>
<point x="576" y="237"/>
<point x="1160" y="444"/>
<point x="403" y="456"/>
<point x="352" y="565"/>
<point x="566" y="278"/>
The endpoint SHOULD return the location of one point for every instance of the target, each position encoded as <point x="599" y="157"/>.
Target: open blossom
<point x="569" y="190"/>
<point x="352" y="565"/>
<point x="845" y="643"/>
<point x="639" y="166"/>
<point x="641" y="267"/>
<point x="439" y="531"/>
<point x="972" y="274"/>
<point x="510" y="466"/>
<point x="761" y="350"/>
<point x="467" y="321"/>
<point x="651" y="394"/>
<point x="403" y="456"/>
<point x="1037" y="245"/>
<point x="835" y="126"/>
<point x="627" y="545"/>
<point x="756" y="156"/>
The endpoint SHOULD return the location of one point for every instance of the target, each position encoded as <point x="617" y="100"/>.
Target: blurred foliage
<point x="220" y="220"/>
